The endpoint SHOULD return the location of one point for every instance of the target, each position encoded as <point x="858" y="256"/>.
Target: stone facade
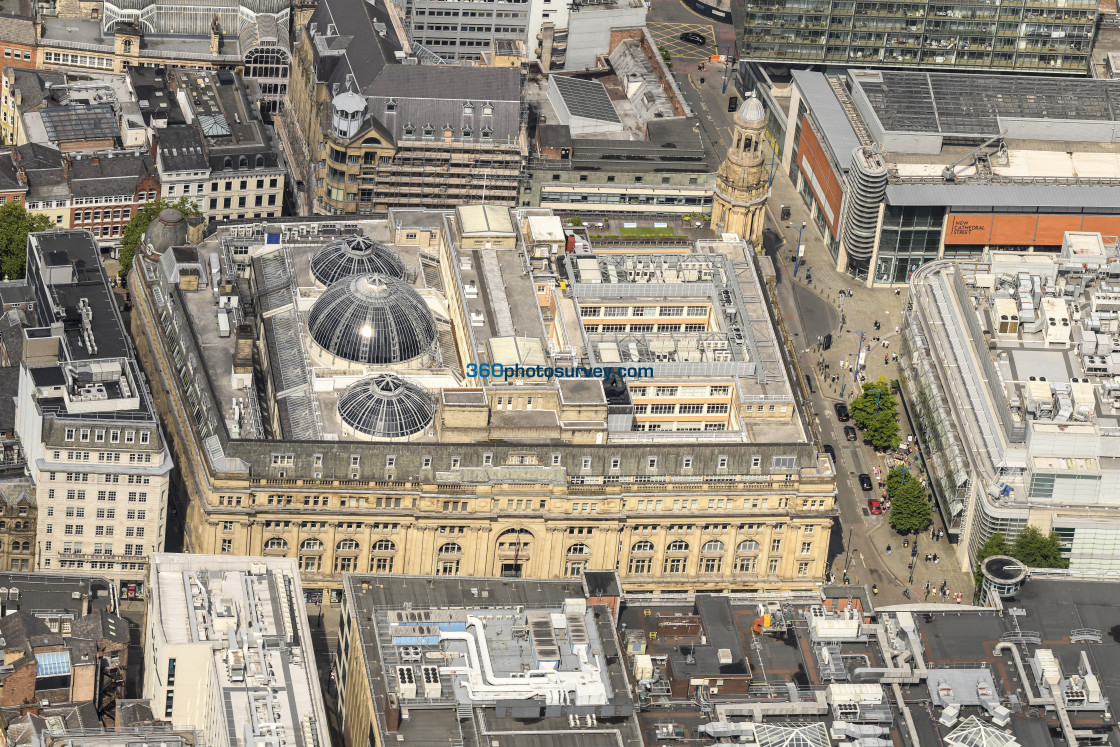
<point x="742" y="186"/>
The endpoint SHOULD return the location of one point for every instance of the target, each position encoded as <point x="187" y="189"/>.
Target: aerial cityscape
<point x="588" y="373"/>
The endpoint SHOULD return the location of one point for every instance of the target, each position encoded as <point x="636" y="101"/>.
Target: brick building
<point x="107" y="189"/>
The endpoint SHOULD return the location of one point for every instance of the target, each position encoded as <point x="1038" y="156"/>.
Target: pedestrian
<point x="927" y="557"/>
<point x="936" y="559"/>
<point x="906" y="593"/>
<point x="888" y="549"/>
<point x="940" y="534"/>
<point x="875" y="589"/>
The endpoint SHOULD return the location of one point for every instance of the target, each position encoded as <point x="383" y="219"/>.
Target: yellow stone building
<point x="742" y="183"/>
<point x="405" y="450"/>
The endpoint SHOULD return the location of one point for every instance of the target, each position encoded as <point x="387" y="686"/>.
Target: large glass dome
<point x="354" y="255"/>
<point x="385" y="407"/>
<point x="373" y="320"/>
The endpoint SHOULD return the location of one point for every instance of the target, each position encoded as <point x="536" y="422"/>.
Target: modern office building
<point x="490" y="660"/>
<point x="371" y="126"/>
<point x="901" y="168"/>
<point x="1010" y="377"/>
<point x="84" y="414"/>
<point x="621" y="140"/>
<point x="1031" y="36"/>
<point x="353" y="399"/>
<point x="227" y="650"/>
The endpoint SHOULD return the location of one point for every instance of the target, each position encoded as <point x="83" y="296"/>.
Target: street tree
<point x="875" y="411"/>
<point x="910" y="512"/>
<point x="15" y="224"/>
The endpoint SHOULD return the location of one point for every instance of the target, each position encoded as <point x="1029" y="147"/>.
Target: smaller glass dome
<point x="386" y="407"/>
<point x="354" y="255"/>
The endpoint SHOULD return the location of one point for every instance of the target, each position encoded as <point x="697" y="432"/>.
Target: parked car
<point x="874" y="506"/>
<point x="693" y="38"/>
<point x="733" y="104"/>
<point x="865" y="481"/>
<point x="842" y="413"/>
<point x="830" y="451"/>
<point x="850" y="433"/>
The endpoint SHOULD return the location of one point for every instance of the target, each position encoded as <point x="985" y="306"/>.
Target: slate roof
<point x="9" y="385"/>
<point x="19" y="628"/>
<point x="181" y="149"/>
<point x="119" y="175"/>
<point x="357" y="57"/>
<point x="33" y="85"/>
<point x="100" y="625"/>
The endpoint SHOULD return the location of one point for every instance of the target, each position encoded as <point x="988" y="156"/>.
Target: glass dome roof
<point x="386" y="407"/>
<point x="373" y="320"/>
<point x="354" y="255"/>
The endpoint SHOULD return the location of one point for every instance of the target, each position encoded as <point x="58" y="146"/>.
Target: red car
<point x="874" y="506"/>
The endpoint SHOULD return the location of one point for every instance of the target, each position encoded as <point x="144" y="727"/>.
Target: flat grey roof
<point x="979" y="196"/>
<point x="965" y="104"/>
<point x="836" y="129"/>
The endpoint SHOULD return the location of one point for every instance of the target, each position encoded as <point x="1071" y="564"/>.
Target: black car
<point x="842" y="413"/>
<point x="850" y="433"/>
<point x="733" y="104"/>
<point x="693" y="38"/>
<point x="830" y="451"/>
<point x="865" y="481"/>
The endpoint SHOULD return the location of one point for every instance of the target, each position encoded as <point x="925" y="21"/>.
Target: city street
<point x="812" y="310"/>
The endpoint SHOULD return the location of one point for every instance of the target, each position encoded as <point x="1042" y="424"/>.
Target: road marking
<point x="668" y="35"/>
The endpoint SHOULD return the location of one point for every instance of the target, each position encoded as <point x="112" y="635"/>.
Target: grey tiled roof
<point x="94" y="177"/>
<point x="424" y="94"/>
<point x="17" y="29"/>
<point x="33" y="85"/>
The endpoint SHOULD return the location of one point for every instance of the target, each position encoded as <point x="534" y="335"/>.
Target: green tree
<point x="875" y="411"/>
<point x="15" y="224"/>
<point x="994" y="545"/>
<point x="130" y="236"/>
<point x="910" y="512"/>
<point x="1037" y="550"/>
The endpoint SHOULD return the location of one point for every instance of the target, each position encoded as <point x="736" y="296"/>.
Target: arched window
<point x="372" y="141"/>
<point x="747" y="546"/>
<point x="514" y="539"/>
<point x="276" y="543"/>
<point x="26" y="547"/>
<point x="643" y="546"/>
<point x="713" y="546"/>
<point x="384" y="546"/>
<point x="260" y="161"/>
<point x="579" y="549"/>
<point x="127" y="46"/>
<point x="311" y="545"/>
<point x="450" y="548"/>
<point x="228" y="162"/>
<point x="747" y="142"/>
<point x="242" y="162"/>
<point x="347" y="545"/>
<point x="677" y="546"/>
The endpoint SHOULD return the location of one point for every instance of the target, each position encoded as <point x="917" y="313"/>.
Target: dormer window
<point x="468" y="109"/>
<point x="428" y="130"/>
<point x="487" y="133"/>
<point x="466" y="132"/>
<point x="487" y="108"/>
<point x="409" y="130"/>
<point x="390" y="106"/>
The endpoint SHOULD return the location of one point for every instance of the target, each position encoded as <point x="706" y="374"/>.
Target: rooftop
<point x="1030" y="338"/>
<point x="246" y="615"/>
<point x="492" y="631"/>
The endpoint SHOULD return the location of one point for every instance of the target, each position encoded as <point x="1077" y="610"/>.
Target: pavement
<point x="811" y="310"/>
